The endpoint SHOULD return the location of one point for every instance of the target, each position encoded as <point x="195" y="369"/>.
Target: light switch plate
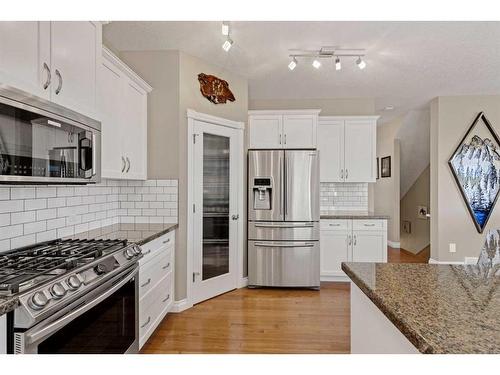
<point x="453" y="248"/>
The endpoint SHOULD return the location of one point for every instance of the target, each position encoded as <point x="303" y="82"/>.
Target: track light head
<point x="338" y="65"/>
<point x="360" y="63"/>
<point x="293" y="64"/>
<point x="225" y="28"/>
<point x="316" y="64"/>
<point x="227" y="44"/>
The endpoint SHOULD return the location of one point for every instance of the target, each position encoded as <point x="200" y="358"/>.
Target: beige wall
<point x="386" y="190"/>
<point x="329" y="107"/>
<point x="417" y="195"/>
<point x="450" y="220"/>
<point x="161" y="70"/>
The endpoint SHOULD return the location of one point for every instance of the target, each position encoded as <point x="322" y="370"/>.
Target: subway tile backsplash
<point x="31" y="214"/>
<point x="343" y="196"/>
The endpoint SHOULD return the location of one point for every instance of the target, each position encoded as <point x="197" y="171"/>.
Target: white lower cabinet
<point x="156" y="284"/>
<point x="3" y="334"/>
<point x="350" y="240"/>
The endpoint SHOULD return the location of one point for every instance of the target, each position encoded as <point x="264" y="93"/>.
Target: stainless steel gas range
<point x="75" y="296"/>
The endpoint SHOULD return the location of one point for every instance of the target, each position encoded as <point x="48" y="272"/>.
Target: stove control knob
<point x="129" y="253"/>
<point x="38" y="301"/>
<point x="100" y="269"/>
<point x="57" y="291"/>
<point x="73" y="282"/>
<point x="137" y="250"/>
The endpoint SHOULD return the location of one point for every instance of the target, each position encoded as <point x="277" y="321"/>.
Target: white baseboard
<point x="180" y="306"/>
<point x="393" y="244"/>
<point x="243" y="282"/>
<point x="338" y="279"/>
<point x="434" y="261"/>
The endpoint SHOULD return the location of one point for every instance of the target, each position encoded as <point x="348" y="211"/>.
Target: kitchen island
<point x="423" y="308"/>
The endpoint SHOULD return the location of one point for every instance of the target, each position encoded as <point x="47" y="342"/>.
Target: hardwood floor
<point x="404" y="256"/>
<point x="265" y="321"/>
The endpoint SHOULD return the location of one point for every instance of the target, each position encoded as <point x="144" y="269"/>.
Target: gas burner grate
<point x="21" y="268"/>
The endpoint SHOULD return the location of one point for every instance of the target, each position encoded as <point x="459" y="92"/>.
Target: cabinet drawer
<point x="153" y="307"/>
<point x="334" y="224"/>
<point x="152" y="272"/>
<point x="150" y="249"/>
<point x="359" y="224"/>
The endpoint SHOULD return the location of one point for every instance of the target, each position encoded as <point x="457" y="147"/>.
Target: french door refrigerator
<point x="283" y="218"/>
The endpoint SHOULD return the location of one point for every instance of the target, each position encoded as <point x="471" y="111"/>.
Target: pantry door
<point x="215" y="211"/>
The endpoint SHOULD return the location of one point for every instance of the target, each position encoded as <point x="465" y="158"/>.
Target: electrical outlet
<point x="453" y="248"/>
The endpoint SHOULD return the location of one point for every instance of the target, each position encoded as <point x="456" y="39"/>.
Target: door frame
<point x="193" y="116"/>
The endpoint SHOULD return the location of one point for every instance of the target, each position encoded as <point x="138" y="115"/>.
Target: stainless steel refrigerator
<point x="283" y="218"/>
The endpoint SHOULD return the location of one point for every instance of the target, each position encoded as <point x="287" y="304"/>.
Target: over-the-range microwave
<point x="44" y="143"/>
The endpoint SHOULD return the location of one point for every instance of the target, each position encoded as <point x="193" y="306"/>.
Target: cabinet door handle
<point x="165" y="267"/>
<point x="355" y="240"/>
<point x="346" y="173"/>
<point x="167" y="298"/>
<point x="128" y="161"/>
<point x="124" y="164"/>
<point x="49" y="76"/>
<point x="166" y="241"/>
<point x="146" y="283"/>
<point x="349" y="239"/>
<point x="280" y="138"/>
<point x="59" y="86"/>
<point x="147" y="322"/>
<point x="341" y="174"/>
<point x="146" y="253"/>
<point x="285" y="138"/>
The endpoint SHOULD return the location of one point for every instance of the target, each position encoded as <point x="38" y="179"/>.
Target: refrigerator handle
<point x="285" y="177"/>
<point x="282" y="190"/>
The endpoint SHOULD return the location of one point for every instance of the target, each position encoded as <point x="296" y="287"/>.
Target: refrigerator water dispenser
<point x="262" y="192"/>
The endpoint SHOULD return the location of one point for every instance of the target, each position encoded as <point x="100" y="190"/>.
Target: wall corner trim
<point x="192" y="114"/>
<point x="394" y="244"/>
<point x="181" y="305"/>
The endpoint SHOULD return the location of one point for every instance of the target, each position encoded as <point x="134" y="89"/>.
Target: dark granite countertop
<point x="137" y="233"/>
<point x="351" y="215"/>
<point x="439" y="308"/>
<point x="7" y="304"/>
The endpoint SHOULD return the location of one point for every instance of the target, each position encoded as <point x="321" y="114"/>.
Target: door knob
<point x="235" y="217"/>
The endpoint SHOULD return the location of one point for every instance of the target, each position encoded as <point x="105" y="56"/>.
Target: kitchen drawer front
<point x="335" y="224"/>
<point x="378" y="224"/>
<point x="282" y="231"/>
<point x="150" y="249"/>
<point x="152" y="272"/>
<point x="154" y="307"/>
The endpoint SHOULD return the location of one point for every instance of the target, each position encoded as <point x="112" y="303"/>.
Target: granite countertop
<point x="136" y="233"/>
<point x="439" y="308"/>
<point x="351" y="215"/>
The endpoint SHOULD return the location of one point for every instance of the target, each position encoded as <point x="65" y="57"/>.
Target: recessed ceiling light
<point x="225" y="28"/>
<point x="360" y="63"/>
<point x="292" y="64"/>
<point x="227" y="45"/>
<point x="316" y="64"/>
<point x="338" y="66"/>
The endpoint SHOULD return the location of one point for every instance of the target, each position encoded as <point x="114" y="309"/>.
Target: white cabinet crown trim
<point x="344" y="118"/>
<point x="284" y="112"/>
<point x="192" y="114"/>
<point x="111" y="57"/>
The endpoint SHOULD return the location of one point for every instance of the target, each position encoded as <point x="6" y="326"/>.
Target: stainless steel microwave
<point x="43" y="142"/>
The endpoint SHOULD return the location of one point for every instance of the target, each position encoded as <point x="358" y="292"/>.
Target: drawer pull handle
<point x="146" y="253"/>
<point x="165" y="267"/>
<point x="166" y="299"/>
<point x="166" y="241"/>
<point x="369" y="225"/>
<point x="334" y="225"/>
<point x="147" y="322"/>
<point x="146" y="283"/>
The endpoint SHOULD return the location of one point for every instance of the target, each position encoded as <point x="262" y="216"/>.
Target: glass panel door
<point x="215" y="242"/>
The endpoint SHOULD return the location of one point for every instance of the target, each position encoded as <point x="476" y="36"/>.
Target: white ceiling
<point x="409" y="63"/>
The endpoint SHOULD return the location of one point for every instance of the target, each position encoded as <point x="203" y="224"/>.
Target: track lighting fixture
<point x="227" y="44"/>
<point x="338" y="66"/>
<point x="327" y="53"/>
<point x="360" y="63"/>
<point x="225" y="28"/>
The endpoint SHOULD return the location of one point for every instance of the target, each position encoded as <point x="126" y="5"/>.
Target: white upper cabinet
<point x="76" y="48"/>
<point x="57" y="61"/>
<point x="25" y="56"/>
<point x="348" y="148"/>
<point x="123" y="110"/>
<point x="331" y="146"/>
<point x="286" y="129"/>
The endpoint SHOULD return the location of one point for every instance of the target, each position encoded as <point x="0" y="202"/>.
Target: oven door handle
<point x="42" y="333"/>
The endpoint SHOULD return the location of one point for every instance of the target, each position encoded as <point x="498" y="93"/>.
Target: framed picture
<point x="378" y="169"/>
<point x="385" y="168"/>
<point x="422" y="212"/>
<point x="475" y="164"/>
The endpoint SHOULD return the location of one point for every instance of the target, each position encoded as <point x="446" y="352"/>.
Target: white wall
<point x="451" y="117"/>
